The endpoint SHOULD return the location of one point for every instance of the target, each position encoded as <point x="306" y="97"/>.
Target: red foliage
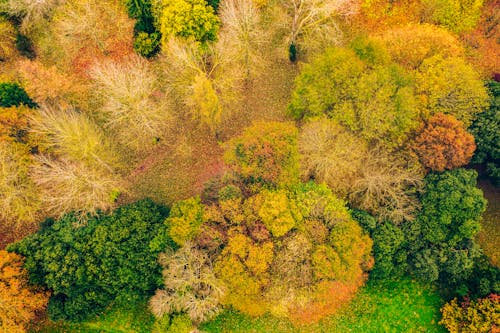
<point x="444" y="144"/>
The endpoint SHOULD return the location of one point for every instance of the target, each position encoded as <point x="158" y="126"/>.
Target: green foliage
<point x="377" y="102"/>
<point x="265" y="154"/>
<point x="390" y="255"/>
<point x="11" y="94"/>
<point x="479" y="316"/>
<point x="486" y="131"/>
<point x="185" y="220"/>
<point x="147" y="45"/>
<point x="441" y="237"/>
<point x="450" y="86"/>
<point x="188" y="18"/>
<point x="456" y="15"/>
<point x="88" y="267"/>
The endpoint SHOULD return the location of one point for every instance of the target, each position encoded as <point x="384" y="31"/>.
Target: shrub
<point x="188" y="18"/>
<point x="147" y="44"/>
<point x="443" y="143"/>
<point x="11" y="94"/>
<point x="472" y="316"/>
<point x="265" y="154"/>
<point x="108" y="258"/>
<point x="450" y="86"/>
<point x="20" y="302"/>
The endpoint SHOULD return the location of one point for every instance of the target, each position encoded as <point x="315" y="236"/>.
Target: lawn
<point x="381" y="306"/>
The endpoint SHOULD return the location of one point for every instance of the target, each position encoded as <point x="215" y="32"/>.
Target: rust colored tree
<point x="444" y="144"/>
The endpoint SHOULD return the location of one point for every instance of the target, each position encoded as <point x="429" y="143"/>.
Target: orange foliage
<point x="482" y="43"/>
<point x="378" y="15"/>
<point x="18" y="304"/>
<point x="329" y="297"/>
<point x="443" y="143"/>
<point x="13" y="123"/>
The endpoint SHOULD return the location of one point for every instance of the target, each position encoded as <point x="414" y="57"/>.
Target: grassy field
<point x="381" y="306"/>
<point x="490" y="234"/>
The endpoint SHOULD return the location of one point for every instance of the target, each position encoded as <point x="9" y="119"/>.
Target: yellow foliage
<point x="7" y="40"/>
<point x="278" y="213"/>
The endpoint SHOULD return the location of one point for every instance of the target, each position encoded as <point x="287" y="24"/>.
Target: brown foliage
<point x="444" y="144"/>
<point x="19" y="305"/>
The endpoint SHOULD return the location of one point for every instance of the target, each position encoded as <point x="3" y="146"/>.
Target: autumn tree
<point x="20" y="303"/>
<point x="376" y="102"/>
<point x="7" y="40"/>
<point x="331" y="154"/>
<point x="265" y="154"/>
<point x="456" y="15"/>
<point x="31" y="12"/>
<point x="450" y="86"/>
<point x="190" y="285"/>
<point x="472" y="315"/>
<point x="443" y="143"/>
<point x="131" y="104"/>
<point x="410" y="45"/>
<point x="188" y="18"/>
<point x="310" y="20"/>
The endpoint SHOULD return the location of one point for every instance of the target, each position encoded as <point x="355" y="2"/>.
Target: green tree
<point x="456" y="15"/>
<point x="11" y="94"/>
<point x="376" y="102"/>
<point x="188" y="18"/>
<point x="185" y="220"/>
<point x="486" y="131"/>
<point x="112" y="257"/>
<point x="442" y="235"/>
<point x="450" y="86"/>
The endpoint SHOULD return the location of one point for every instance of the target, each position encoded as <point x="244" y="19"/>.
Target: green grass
<point x="381" y="306"/>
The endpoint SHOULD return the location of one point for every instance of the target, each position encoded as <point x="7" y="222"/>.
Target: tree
<point x="409" y="46"/>
<point x="185" y="220"/>
<point x="471" y="316"/>
<point x="32" y="12"/>
<point x="19" y="197"/>
<point x="312" y="19"/>
<point x="190" y="286"/>
<point x="11" y="94"/>
<point x="20" y="303"/>
<point x="14" y="123"/>
<point x="443" y="143"/>
<point x="376" y="102"/>
<point x="265" y="154"/>
<point x="456" y="15"/>
<point x="131" y="103"/>
<point x="448" y="221"/>
<point x="188" y="18"/>
<point x="111" y="257"/>
<point x="450" y="86"/>
<point x="331" y="154"/>
<point x="7" y="40"/>
<point x="486" y="131"/>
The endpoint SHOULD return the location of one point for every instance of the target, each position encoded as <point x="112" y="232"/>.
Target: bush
<point x="110" y="258"/>
<point x="11" y="94"/>
<point x="479" y="316"/>
<point x="147" y="44"/>
<point x="443" y="143"/>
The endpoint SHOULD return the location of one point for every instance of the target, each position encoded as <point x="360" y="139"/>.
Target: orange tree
<point x="19" y="304"/>
<point x="443" y="143"/>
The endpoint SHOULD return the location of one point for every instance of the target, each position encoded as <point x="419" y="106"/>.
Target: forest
<point x="203" y="166"/>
